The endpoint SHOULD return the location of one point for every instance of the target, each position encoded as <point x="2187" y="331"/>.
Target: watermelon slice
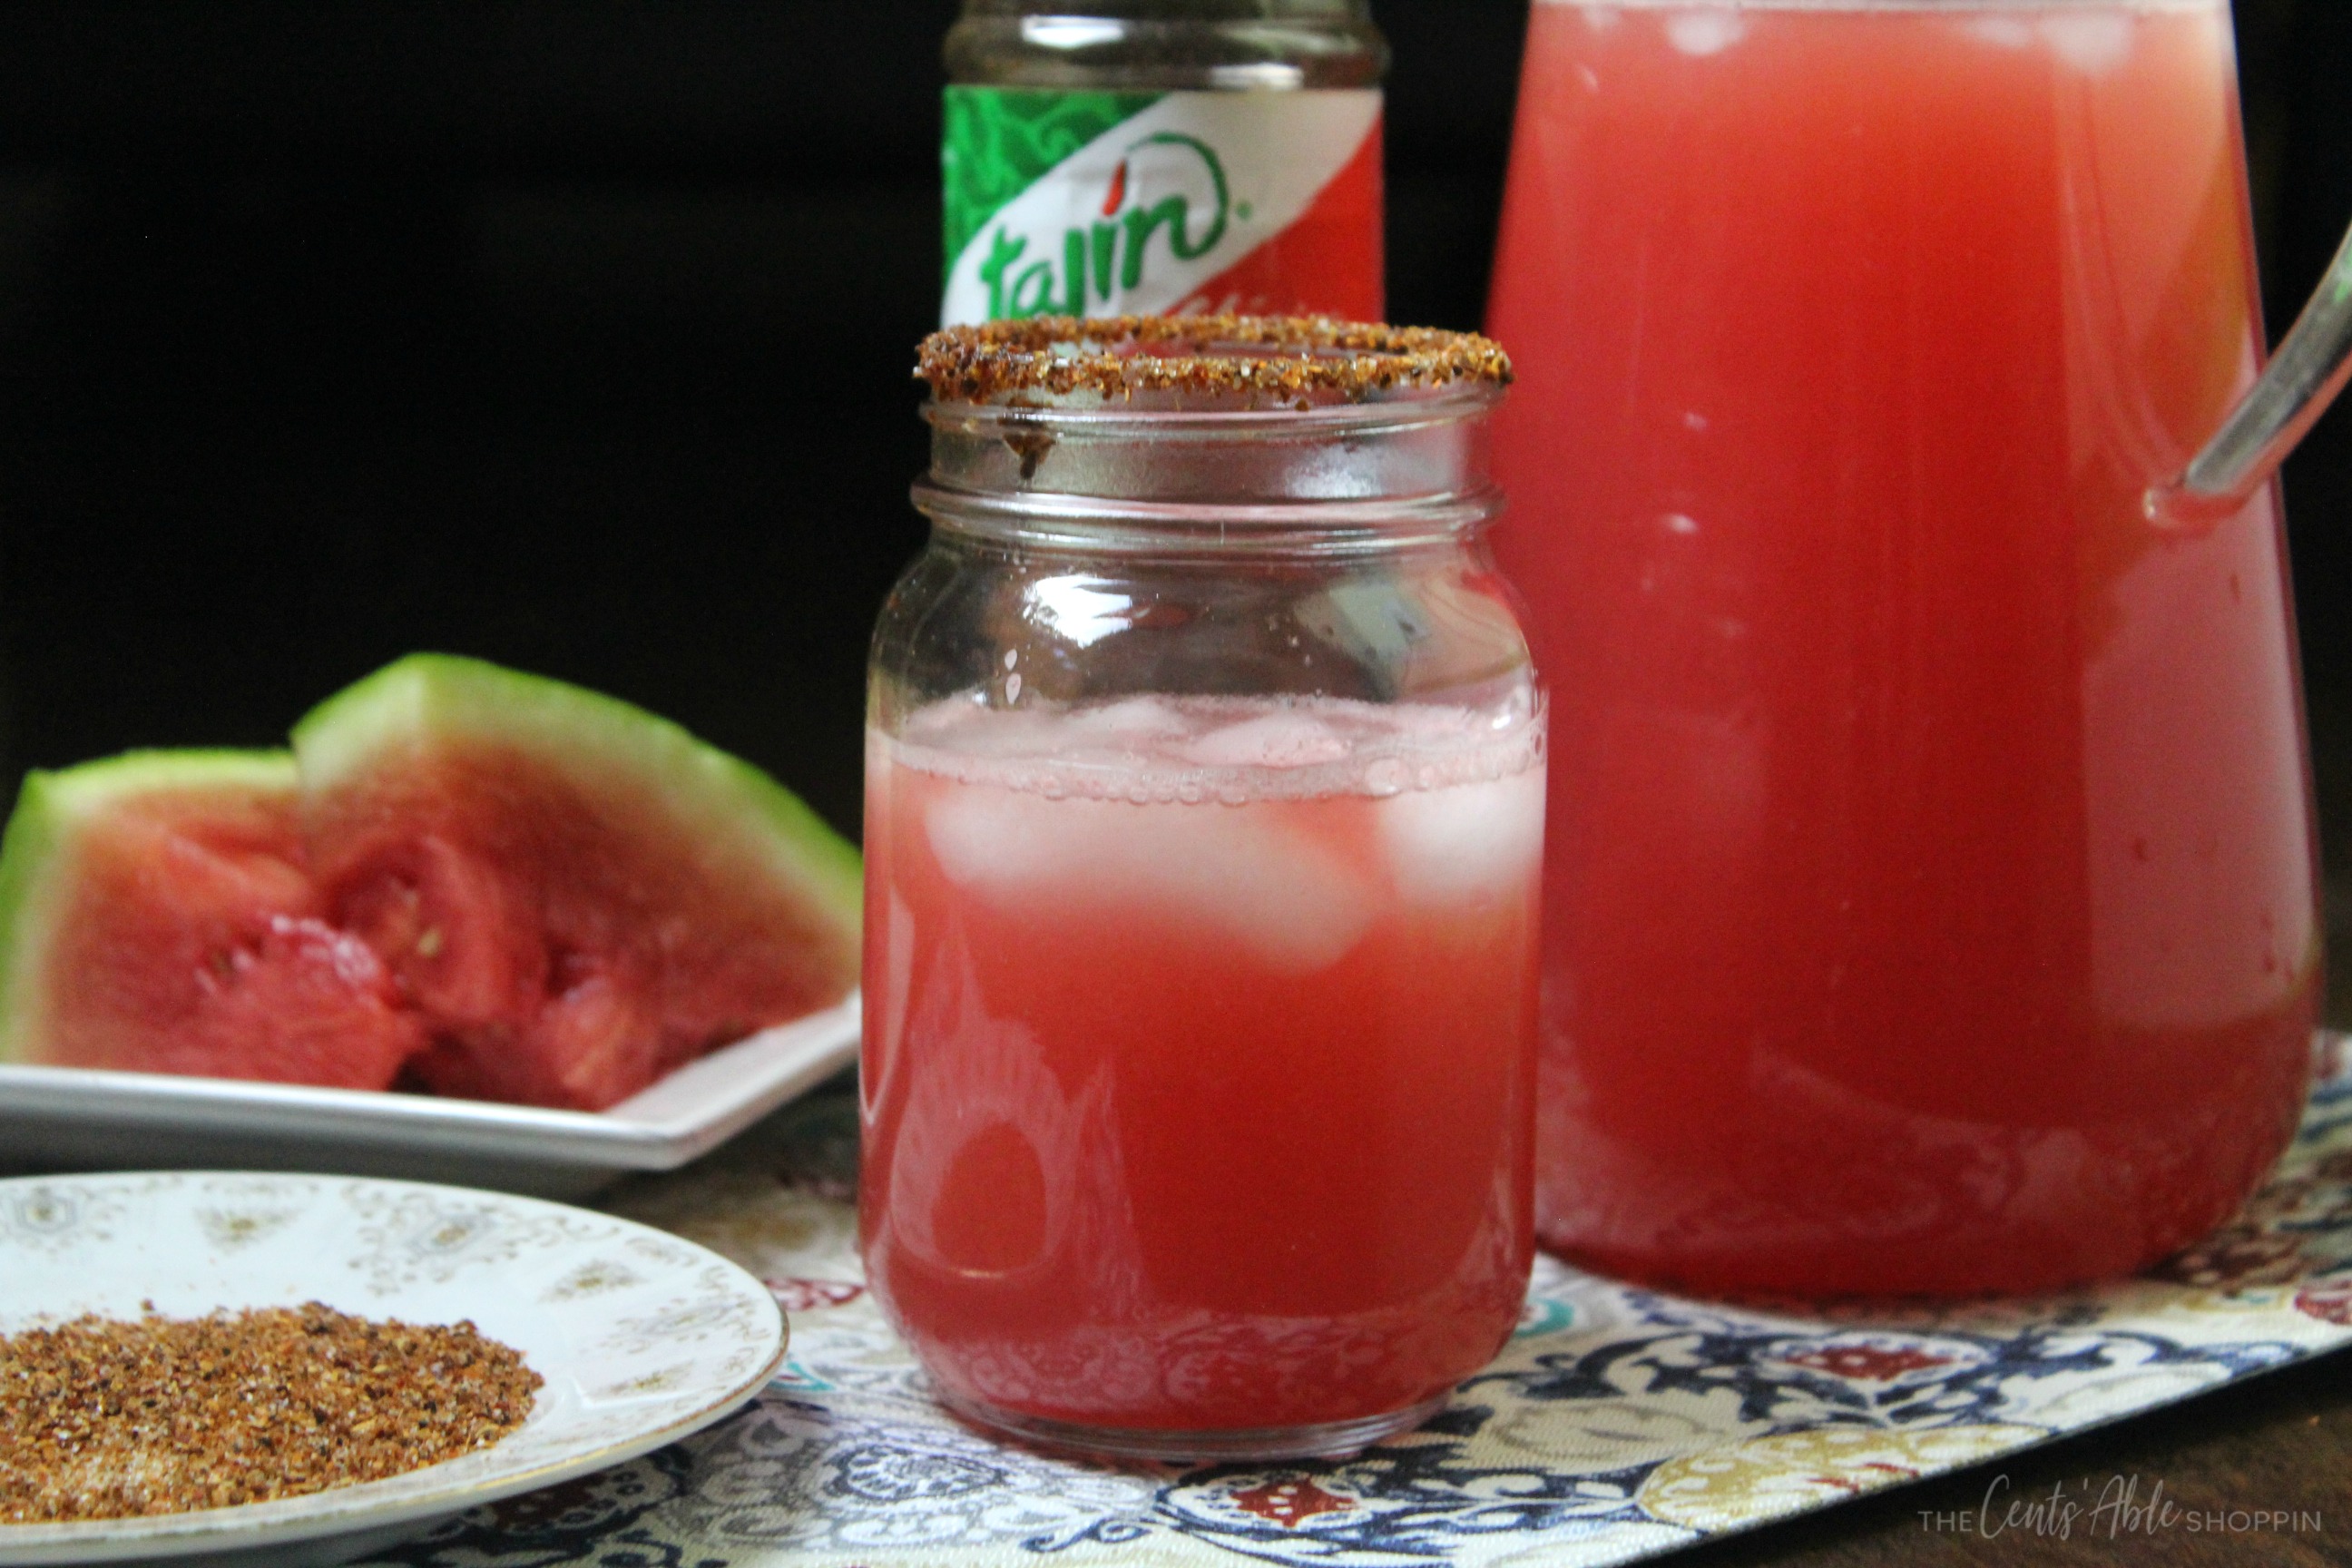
<point x="158" y="919"/>
<point x="573" y="895"/>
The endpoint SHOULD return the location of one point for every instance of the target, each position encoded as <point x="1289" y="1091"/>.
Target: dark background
<point x="574" y="333"/>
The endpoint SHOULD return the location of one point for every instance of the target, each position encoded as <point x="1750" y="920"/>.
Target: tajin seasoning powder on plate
<point x="104" y="1419"/>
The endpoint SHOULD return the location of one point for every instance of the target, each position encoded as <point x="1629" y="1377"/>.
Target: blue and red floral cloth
<point x="1619" y="1423"/>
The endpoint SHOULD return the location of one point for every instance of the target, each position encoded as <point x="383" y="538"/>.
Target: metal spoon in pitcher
<point x="2311" y="366"/>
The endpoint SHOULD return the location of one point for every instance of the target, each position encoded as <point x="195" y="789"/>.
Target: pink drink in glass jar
<point x="1200" y="1098"/>
<point x="1203" y="837"/>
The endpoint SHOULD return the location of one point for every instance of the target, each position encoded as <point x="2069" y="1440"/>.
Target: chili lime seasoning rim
<point x="1297" y="362"/>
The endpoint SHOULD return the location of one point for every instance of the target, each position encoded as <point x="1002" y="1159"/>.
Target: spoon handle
<point x="2311" y="366"/>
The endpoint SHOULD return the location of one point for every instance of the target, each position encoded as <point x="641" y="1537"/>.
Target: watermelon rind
<point x="767" y="831"/>
<point x="37" y="852"/>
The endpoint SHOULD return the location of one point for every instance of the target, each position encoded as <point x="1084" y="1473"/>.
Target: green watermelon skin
<point x="155" y="916"/>
<point x="573" y="895"/>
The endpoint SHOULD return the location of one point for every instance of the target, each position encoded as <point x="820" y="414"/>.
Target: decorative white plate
<point x="73" y="1119"/>
<point x="642" y="1337"/>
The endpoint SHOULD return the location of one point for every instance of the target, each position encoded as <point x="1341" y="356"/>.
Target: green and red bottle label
<point x="1098" y="203"/>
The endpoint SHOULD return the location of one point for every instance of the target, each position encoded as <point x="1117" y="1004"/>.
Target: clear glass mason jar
<point x="1203" y="816"/>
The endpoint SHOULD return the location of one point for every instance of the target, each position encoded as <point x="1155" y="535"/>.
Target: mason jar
<point x="1203" y="819"/>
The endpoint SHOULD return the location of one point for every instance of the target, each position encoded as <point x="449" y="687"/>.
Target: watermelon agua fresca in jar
<point x="1180" y="157"/>
<point x="1204" y="823"/>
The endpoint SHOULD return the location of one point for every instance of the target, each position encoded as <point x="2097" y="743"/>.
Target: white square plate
<point x="76" y="1119"/>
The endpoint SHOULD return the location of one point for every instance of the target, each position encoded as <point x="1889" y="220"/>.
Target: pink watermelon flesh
<point x="463" y="879"/>
<point x="193" y="942"/>
<point x="560" y="947"/>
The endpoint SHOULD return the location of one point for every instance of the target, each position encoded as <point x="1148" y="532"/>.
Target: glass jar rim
<point x="1201" y="364"/>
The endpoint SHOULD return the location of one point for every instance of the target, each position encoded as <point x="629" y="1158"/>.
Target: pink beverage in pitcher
<point x="1930" y="891"/>
<point x="1196" y="1065"/>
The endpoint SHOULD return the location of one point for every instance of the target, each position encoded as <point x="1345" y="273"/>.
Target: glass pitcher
<point x="1930" y="892"/>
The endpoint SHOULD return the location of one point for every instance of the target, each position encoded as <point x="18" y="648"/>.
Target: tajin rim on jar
<point x="1280" y="358"/>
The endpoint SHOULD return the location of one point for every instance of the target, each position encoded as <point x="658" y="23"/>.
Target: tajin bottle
<point x="1163" y="157"/>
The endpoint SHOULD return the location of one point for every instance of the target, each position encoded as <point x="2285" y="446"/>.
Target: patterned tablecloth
<point x="1619" y="1422"/>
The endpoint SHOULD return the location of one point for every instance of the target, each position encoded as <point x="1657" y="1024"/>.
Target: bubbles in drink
<point x="1164" y="750"/>
<point x="1279" y="740"/>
